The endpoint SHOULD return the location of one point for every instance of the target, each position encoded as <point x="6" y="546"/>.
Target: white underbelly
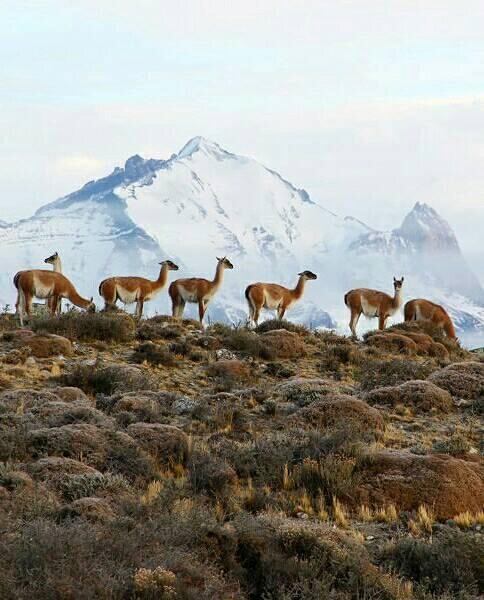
<point x="43" y="291"/>
<point x="127" y="297"/>
<point x="271" y="303"/>
<point x="187" y="295"/>
<point x="369" y="310"/>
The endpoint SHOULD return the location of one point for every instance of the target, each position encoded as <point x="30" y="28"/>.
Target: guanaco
<point x="56" y="263"/>
<point x="134" y="289"/>
<point x="197" y="290"/>
<point x="424" y="310"/>
<point x="274" y="297"/>
<point x="373" y="303"/>
<point x="37" y="283"/>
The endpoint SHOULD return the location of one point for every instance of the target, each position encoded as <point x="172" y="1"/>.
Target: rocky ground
<point x="155" y="460"/>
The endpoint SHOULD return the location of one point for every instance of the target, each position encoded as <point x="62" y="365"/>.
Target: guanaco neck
<point x="79" y="301"/>
<point x="57" y="265"/>
<point x="219" y="275"/>
<point x="162" y="278"/>
<point x="397" y="298"/>
<point x="298" y="291"/>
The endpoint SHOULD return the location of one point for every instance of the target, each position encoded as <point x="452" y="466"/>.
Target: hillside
<point x="153" y="459"/>
<point x="205" y="201"/>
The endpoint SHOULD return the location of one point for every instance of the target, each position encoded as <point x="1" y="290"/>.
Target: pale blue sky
<point x="370" y="106"/>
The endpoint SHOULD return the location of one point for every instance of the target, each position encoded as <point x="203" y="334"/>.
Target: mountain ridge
<point x="205" y="201"/>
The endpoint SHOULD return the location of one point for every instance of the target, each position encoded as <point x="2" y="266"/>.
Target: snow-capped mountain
<point x="205" y="202"/>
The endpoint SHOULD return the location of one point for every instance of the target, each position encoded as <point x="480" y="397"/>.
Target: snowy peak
<point x="426" y="230"/>
<point x="204" y="146"/>
<point x="137" y="167"/>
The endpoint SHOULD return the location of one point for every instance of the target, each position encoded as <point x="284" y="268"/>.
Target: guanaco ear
<point x="403" y="278"/>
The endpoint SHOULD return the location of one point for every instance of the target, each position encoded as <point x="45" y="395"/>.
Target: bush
<point x="167" y="444"/>
<point x="450" y="563"/>
<point x="421" y="395"/>
<point x="154" y="354"/>
<point x="73" y="487"/>
<point x="462" y="379"/>
<point x="210" y="474"/>
<point x="229" y="373"/>
<point x="247" y="342"/>
<point x="272" y="324"/>
<point x="378" y="373"/>
<point x="118" y="327"/>
<point x="99" y="379"/>
<point x="151" y="329"/>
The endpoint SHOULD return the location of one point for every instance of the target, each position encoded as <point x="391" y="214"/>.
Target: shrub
<point x="455" y="445"/>
<point x="450" y="563"/>
<point x="247" y="342"/>
<point x="117" y="327"/>
<point x="421" y="395"/>
<point x="229" y="372"/>
<point x="166" y="443"/>
<point x="73" y="487"/>
<point x="462" y="379"/>
<point x="272" y="324"/>
<point x="151" y="329"/>
<point x="99" y="379"/>
<point x="210" y="474"/>
<point x="154" y="354"/>
<point x="378" y="373"/>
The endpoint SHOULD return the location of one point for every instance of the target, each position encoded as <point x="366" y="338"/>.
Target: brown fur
<point x="37" y="283"/>
<point x="197" y="290"/>
<point x="56" y="263"/>
<point x="134" y="289"/>
<point x="420" y="309"/>
<point x="373" y="303"/>
<point x="274" y="297"/>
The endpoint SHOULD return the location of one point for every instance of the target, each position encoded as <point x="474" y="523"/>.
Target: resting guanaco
<point x="373" y="303"/>
<point x="37" y="283"/>
<point x="134" y="289"/>
<point x="197" y="290"/>
<point x="56" y="263"/>
<point x="274" y="297"/>
<point x="424" y="310"/>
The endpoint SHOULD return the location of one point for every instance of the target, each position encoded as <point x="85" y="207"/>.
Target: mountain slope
<point x="205" y="202"/>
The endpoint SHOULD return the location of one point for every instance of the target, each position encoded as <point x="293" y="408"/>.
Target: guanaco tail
<point x="274" y="297"/>
<point x="134" y="289"/>
<point x="424" y="310"/>
<point x="373" y="303"/>
<point x="197" y="290"/>
<point x="37" y="283"/>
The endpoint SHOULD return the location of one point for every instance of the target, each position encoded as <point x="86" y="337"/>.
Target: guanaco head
<point x="308" y="275"/>
<point x="225" y="262"/>
<point x="398" y="283"/>
<point x="170" y="265"/>
<point x="91" y="307"/>
<point x="51" y="259"/>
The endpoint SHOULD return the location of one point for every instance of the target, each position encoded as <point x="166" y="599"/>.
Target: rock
<point x="446" y="484"/>
<point x="165" y="442"/>
<point x="45" y="346"/>
<point x="183" y="405"/>
<point x="463" y="380"/>
<point x="224" y="354"/>
<point x="423" y="396"/>
<point x="30" y="362"/>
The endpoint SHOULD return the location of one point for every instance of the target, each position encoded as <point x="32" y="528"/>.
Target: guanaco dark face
<point x="308" y="275"/>
<point x="398" y="283"/>
<point x="171" y="265"/>
<point x="226" y="262"/>
<point x="51" y="259"/>
<point x="92" y="307"/>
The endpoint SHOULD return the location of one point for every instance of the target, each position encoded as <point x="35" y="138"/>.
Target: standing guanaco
<point x="197" y="290"/>
<point x="373" y="303"/>
<point x="424" y="310"/>
<point x="134" y="289"/>
<point x="37" y="283"/>
<point x="274" y="297"/>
